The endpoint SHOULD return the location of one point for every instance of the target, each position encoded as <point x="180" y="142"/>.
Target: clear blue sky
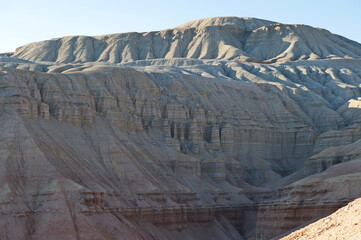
<point x="25" y="21"/>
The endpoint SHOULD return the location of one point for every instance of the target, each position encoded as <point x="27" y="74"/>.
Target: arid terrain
<point x="343" y="224"/>
<point x="220" y="128"/>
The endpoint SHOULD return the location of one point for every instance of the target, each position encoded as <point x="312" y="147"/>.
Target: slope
<point x="232" y="38"/>
<point x="343" y="224"/>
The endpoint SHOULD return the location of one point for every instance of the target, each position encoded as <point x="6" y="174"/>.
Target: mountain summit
<point x="246" y="23"/>
<point x="227" y="38"/>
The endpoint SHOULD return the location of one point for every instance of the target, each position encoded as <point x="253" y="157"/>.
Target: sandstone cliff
<point x="343" y="224"/>
<point x="221" y="128"/>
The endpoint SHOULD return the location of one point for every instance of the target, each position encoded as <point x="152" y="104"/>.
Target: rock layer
<point x="244" y="39"/>
<point x="309" y="199"/>
<point x="221" y="128"/>
<point x="343" y="224"/>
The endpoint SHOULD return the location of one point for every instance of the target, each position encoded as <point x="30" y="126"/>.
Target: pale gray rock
<point x="221" y="128"/>
<point x="231" y="38"/>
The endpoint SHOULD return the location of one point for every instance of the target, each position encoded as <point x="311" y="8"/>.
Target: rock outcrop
<point x="231" y="38"/>
<point x="343" y="224"/>
<point x="221" y="128"/>
<point x="308" y="199"/>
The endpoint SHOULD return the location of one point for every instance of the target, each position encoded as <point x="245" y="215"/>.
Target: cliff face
<point x="160" y="136"/>
<point x="343" y="224"/>
<point x="103" y="159"/>
<point x="309" y="199"/>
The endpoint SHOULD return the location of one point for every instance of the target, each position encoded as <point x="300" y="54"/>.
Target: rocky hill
<point x="221" y="128"/>
<point x="229" y="38"/>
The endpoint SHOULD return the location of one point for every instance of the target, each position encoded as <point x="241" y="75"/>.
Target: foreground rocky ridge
<point x="343" y="224"/>
<point x="179" y="148"/>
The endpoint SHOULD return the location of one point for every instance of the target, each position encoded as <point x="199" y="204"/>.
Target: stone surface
<point x="244" y="39"/>
<point x="309" y="199"/>
<point x="343" y="224"/>
<point x="221" y="128"/>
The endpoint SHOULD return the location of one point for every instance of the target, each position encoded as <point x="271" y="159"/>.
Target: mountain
<point x="221" y="128"/>
<point x="228" y="38"/>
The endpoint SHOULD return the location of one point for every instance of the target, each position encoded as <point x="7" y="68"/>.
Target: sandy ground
<point x="343" y="224"/>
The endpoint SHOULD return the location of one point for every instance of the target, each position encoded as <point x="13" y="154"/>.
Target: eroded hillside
<point x="221" y="128"/>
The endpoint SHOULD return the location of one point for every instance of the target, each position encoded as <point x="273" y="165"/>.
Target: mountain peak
<point x="248" y="23"/>
<point x="226" y="38"/>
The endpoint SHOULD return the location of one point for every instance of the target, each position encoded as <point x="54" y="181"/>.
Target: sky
<point x="25" y="21"/>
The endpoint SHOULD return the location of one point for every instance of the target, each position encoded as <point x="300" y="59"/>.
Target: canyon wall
<point x="196" y="132"/>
